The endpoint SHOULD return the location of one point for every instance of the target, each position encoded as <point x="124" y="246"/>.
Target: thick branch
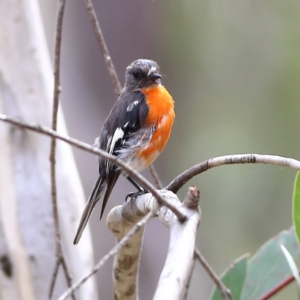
<point x="120" y="220"/>
<point x="177" y="268"/>
<point x="184" y="177"/>
<point x="81" y="145"/>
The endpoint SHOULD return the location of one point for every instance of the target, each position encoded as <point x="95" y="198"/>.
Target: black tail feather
<point x="111" y="183"/>
<point x="96" y="194"/>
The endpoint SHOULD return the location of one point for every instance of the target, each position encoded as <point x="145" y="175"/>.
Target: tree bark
<point x="27" y="245"/>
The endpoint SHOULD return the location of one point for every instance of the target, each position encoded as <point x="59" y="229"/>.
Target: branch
<point x="112" y="252"/>
<point x="224" y="291"/>
<point x="179" y="261"/>
<point x="155" y="177"/>
<point x="122" y="218"/>
<point x="57" y="89"/>
<point x="120" y="221"/>
<point x="187" y="285"/>
<point x="86" y="147"/>
<point x="181" y="179"/>
<point x="101" y="41"/>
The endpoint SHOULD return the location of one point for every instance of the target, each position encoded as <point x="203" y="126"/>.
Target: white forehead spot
<point x="132" y="105"/>
<point x="152" y="70"/>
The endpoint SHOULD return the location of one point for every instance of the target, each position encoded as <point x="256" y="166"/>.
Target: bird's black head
<point x="142" y="73"/>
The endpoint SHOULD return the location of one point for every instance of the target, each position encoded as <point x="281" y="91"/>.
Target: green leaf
<point x="291" y="263"/>
<point x="296" y="206"/>
<point x="292" y="266"/>
<point x="267" y="267"/>
<point x="233" y="278"/>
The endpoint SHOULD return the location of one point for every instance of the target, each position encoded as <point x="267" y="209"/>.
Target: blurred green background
<point x="233" y="68"/>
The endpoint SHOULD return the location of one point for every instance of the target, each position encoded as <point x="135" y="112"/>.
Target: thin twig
<point x="155" y="177"/>
<point x="225" y="292"/>
<point x="101" y="41"/>
<point x="187" y="286"/>
<point x="57" y="90"/>
<point x="111" y="253"/>
<point x="81" y="145"/>
<point x="54" y="275"/>
<point x="184" y="177"/>
<point x="111" y="68"/>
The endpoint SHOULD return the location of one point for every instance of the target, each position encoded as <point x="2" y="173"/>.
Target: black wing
<point x="126" y="117"/>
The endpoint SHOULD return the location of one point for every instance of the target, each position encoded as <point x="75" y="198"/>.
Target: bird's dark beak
<point x="155" y="76"/>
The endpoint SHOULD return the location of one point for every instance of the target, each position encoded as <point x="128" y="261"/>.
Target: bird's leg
<point x="140" y="191"/>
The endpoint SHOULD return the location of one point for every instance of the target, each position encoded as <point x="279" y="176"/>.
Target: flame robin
<point x="136" y="130"/>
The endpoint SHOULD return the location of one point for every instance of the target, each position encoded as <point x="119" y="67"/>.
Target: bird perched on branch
<point x="136" y="131"/>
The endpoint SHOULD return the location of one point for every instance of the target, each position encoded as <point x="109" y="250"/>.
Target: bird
<point x="136" y="131"/>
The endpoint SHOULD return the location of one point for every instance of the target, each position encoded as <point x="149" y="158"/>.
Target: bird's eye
<point x="137" y="75"/>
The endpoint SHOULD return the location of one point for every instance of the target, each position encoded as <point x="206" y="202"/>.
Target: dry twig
<point x="57" y="88"/>
<point x="101" y="41"/>
<point x="187" y="286"/>
<point x="185" y="176"/>
<point x="226" y="294"/>
<point x="155" y="177"/>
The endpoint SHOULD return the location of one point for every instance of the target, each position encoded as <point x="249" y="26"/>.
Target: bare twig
<point x="54" y="275"/>
<point x="57" y="88"/>
<point x="187" y="286"/>
<point x="111" y="253"/>
<point x="103" y="47"/>
<point x="226" y="294"/>
<point x="181" y="179"/>
<point x="155" y="177"/>
<point x="81" y="145"/>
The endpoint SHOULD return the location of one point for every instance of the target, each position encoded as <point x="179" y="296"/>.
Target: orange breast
<point x="161" y="115"/>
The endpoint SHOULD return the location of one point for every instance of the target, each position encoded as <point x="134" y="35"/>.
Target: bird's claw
<point x="134" y="195"/>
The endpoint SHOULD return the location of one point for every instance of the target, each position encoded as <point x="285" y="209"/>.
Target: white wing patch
<point x="132" y="105"/>
<point x="118" y="135"/>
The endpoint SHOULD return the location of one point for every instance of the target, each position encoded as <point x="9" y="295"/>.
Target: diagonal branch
<point x="155" y="177"/>
<point x="57" y="89"/>
<point x="224" y="291"/>
<point x="101" y="41"/>
<point x="81" y="145"/>
<point x="185" y="176"/>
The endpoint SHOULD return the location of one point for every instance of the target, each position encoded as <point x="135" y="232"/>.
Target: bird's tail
<point x="96" y="194"/>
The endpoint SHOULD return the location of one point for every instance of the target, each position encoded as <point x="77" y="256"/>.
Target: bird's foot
<point x="135" y="195"/>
